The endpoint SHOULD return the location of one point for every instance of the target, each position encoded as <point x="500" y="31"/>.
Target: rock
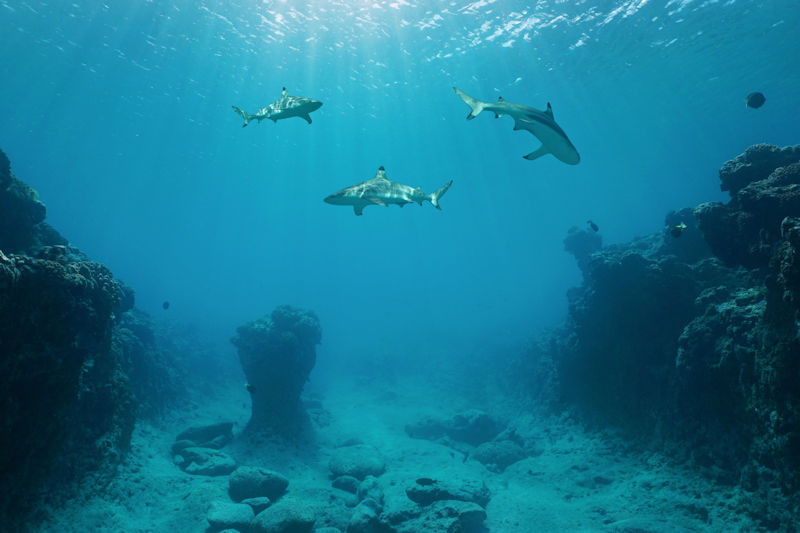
<point x="206" y="462"/>
<point x="179" y="445"/>
<point x="370" y="488"/>
<point x="229" y="515"/>
<point x="286" y="516"/>
<point x="346" y="483"/>
<point x="498" y="455"/>
<point x="327" y="530"/>
<point x="207" y="436"/>
<point x="258" y="504"/>
<point x="449" y="516"/>
<point x="755" y="163"/>
<point x="426" y="491"/>
<point x="582" y="243"/>
<point x="277" y="353"/>
<point x="254" y="482"/>
<point x="365" y="518"/>
<point x="471" y="426"/>
<point x="357" y="461"/>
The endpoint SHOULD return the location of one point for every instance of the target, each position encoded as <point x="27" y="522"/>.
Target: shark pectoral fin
<point x="306" y="117"/>
<point x="542" y="150"/>
<point x="359" y="210"/>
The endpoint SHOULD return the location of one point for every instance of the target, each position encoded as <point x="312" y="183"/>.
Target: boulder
<point x="472" y="427"/>
<point x="254" y="482"/>
<point x="287" y="516"/>
<point x="346" y="483"/>
<point x="207" y="436"/>
<point x="258" y="504"/>
<point x="223" y="515"/>
<point x="365" y="518"/>
<point x="357" y="461"/>
<point x="450" y="516"/>
<point x="205" y="462"/>
<point x="498" y="455"/>
<point x="426" y="491"/>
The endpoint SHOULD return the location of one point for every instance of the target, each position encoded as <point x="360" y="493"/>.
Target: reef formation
<point x="277" y="353"/>
<point x="75" y="362"/>
<point x="693" y="343"/>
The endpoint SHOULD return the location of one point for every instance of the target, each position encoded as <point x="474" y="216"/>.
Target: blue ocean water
<point x="119" y="114"/>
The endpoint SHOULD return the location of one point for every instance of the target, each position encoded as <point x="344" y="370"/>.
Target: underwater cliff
<point x="692" y="343"/>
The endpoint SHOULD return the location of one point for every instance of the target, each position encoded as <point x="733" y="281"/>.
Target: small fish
<point x="677" y="231"/>
<point x="250" y="388"/>
<point x="593" y="226"/>
<point x="755" y="100"/>
<point x="165" y="305"/>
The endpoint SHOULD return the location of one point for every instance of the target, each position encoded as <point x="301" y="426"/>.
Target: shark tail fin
<point x="475" y="105"/>
<point x="244" y="114"/>
<point x="434" y="196"/>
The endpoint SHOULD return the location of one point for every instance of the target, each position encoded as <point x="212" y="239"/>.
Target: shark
<point x="540" y="123"/>
<point x="380" y="191"/>
<point x="286" y="106"/>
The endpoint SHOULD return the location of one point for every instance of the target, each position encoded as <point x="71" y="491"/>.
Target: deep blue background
<point x="119" y="115"/>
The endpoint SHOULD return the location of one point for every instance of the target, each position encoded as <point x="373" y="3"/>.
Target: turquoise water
<point x="119" y="114"/>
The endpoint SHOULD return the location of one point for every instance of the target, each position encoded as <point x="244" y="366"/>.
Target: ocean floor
<point x="570" y="480"/>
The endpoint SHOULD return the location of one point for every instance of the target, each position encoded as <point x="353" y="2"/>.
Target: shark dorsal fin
<point x="549" y="110"/>
<point x="284" y="92"/>
<point x="501" y="99"/>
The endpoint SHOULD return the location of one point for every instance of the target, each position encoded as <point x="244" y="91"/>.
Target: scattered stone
<point x="472" y="426"/>
<point x="365" y="518"/>
<point x="498" y="455"/>
<point x="208" y="436"/>
<point x="357" y="461"/>
<point x="258" y="504"/>
<point x="426" y="491"/>
<point x="370" y="488"/>
<point x="205" y="462"/>
<point x="254" y="482"/>
<point x="346" y="483"/>
<point x="450" y="516"/>
<point x="286" y="516"/>
<point x="223" y="515"/>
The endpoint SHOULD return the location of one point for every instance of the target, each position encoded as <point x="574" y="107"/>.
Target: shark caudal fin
<point x="434" y="196"/>
<point x="244" y="114"/>
<point x="474" y="104"/>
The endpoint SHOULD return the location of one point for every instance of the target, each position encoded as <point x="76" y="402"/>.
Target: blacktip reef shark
<point x="380" y="191"/>
<point x="540" y="123"/>
<point x="284" y="107"/>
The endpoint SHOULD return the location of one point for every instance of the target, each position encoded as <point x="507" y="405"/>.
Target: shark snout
<point x="315" y="104"/>
<point x="335" y="199"/>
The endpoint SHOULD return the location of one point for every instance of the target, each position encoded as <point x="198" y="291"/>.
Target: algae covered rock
<point x="284" y="517"/>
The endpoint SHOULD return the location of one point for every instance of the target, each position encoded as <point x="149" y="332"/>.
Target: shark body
<point x="286" y="106"/>
<point x="539" y="123"/>
<point x="380" y="191"/>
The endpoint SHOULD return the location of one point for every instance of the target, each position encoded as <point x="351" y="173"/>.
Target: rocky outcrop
<point x="63" y="393"/>
<point x="74" y="359"/>
<point x="277" y="353"/>
<point x="700" y="352"/>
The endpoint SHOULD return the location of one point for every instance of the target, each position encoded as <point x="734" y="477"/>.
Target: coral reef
<point x="277" y="353"/>
<point x="700" y="353"/>
<point x="76" y="364"/>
